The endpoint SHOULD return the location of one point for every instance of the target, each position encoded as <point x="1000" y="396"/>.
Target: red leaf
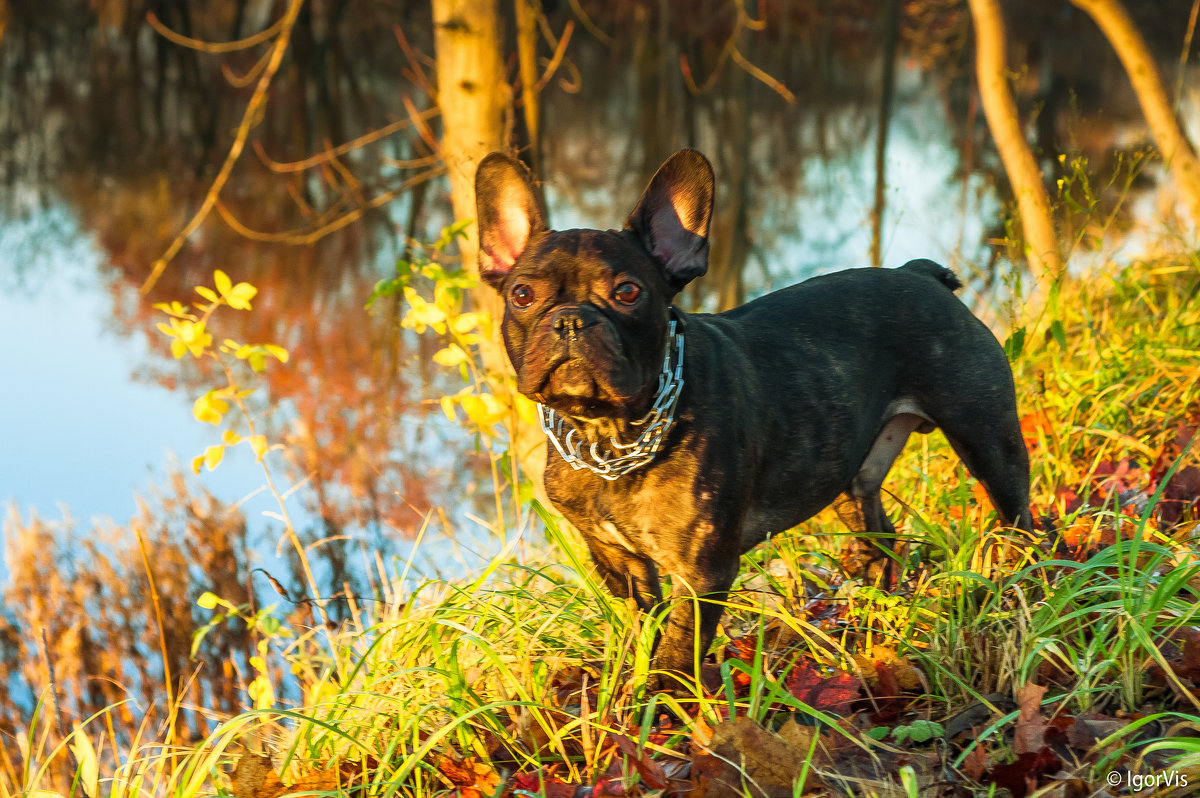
<point x="1021" y="776"/>
<point x="887" y="695"/>
<point x="1030" y="733"/>
<point x="827" y="693"/>
<point x="650" y="771"/>
<point x="1182" y="491"/>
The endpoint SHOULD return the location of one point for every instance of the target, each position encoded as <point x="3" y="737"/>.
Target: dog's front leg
<point x="626" y="574"/>
<point x="697" y="601"/>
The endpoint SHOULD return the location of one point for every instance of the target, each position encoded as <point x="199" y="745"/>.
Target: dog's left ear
<point x="673" y="214"/>
<point x="508" y="213"/>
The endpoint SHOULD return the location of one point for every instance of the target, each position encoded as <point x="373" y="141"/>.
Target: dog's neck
<point x="610" y="447"/>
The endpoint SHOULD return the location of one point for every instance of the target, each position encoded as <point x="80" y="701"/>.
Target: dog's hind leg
<point x="999" y="460"/>
<point x="861" y="507"/>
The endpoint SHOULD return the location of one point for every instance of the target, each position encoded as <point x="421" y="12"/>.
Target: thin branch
<point x="252" y="74"/>
<point x="302" y="238"/>
<point x="556" y="59"/>
<point x="774" y="84"/>
<point x="417" y="74"/>
<point x="243" y="132"/>
<point x="212" y="47"/>
<point x="586" y="21"/>
<point x="418" y="120"/>
<point x="730" y="51"/>
<point x="341" y="149"/>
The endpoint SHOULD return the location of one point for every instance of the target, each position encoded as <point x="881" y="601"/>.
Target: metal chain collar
<point x="625" y="457"/>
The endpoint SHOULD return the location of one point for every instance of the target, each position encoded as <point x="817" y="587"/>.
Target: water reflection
<point x="111" y="136"/>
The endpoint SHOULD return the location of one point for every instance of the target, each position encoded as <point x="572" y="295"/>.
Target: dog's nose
<point x="567" y="322"/>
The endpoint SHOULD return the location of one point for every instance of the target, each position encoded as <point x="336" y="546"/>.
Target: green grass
<point x="532" y="667"/>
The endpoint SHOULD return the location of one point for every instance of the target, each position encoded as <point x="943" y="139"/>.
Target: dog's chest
<point x="652" y="520"/>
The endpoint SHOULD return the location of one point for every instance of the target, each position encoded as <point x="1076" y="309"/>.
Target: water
<point x="107" y="154"/>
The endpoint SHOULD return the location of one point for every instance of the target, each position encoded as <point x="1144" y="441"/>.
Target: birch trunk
<point x="1177" y="154"/>
<point x="473" y="96"/>
<point x="1045" y="261"/>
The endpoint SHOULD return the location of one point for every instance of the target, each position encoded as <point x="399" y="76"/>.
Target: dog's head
<point x="586" y="311"/>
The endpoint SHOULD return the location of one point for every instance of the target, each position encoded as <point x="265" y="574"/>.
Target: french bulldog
<point x="681" y="440"/>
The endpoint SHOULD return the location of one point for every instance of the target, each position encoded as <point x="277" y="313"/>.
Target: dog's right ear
<point x="507" y="212"/>
<point x="673" y="216"/>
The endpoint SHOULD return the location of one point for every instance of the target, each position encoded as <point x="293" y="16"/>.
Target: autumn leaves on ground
<point x="1067" y="665"/>
<point x="1064" y="665"/>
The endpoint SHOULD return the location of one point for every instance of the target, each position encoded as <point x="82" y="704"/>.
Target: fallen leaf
<point x="650" y="771"/>
<point x="1034" y="427"/>
<point x="543" y="784"/>
<point x="887" y="699"/>
<point x="254" y="776"/>
<point x="1030" y="733"/>
<point x="1181" y="495"/>
<point x="1021" y="776"/>
<point x="832" y="693"/>
<point x="975" y="762"/>
<point x="747" y="760"/>
<point x="472" y="778"/>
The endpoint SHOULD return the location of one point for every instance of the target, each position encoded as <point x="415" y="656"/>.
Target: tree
<point x="1176" y="153"/>
<point x="473" y="97"/>
<point x="1045" y="261"/>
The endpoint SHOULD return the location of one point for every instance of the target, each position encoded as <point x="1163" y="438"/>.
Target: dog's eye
<point x="627" y="293"/>
<point x="522" y="295"/>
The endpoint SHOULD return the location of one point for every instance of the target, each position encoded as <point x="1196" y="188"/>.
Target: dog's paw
<point x="863" y="560"/>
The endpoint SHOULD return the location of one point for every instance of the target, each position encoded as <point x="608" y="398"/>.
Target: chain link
<point x="625" y="457"/>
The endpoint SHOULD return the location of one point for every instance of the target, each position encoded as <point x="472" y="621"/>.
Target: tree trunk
<point x="527" y="12"/>
<point x="473" y="96"/>
<point x="891" y="33"/>
<point x="1033" y="205"/>
<point x="1176" y="153"/>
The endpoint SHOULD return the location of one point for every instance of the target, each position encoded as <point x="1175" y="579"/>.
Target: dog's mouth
<point x="574" y="387"/>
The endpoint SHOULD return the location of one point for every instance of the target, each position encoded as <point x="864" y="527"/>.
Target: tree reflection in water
<point x="125" y="130"/>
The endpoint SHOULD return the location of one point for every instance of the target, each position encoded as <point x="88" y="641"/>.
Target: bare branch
<point x="239" y="143"/>
<point x="341" y="149"/>
<point x="556" y="60"/>
<point x="213" y="47"/>
<point x="304" y="237"/>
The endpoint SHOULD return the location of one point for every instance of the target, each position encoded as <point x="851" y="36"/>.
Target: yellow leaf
<point x="207" y="600"/>
<point x="213" y="455"/>
<point x="222" y="282"/>
<point x="240" y="295"/>
<point x="85" y="756"/>
<point x="230" y="438"/>
<point x="447" y="403"/>
<point x="495" y="408"/>
<point x="277" y="352"/>
<point x="197" y="464"/>
<point x="465" y="322"/>
<point x="526" y="409"/>
<point x="259" y="444"/>
<point x="450" y="357"/>
<point x="483" y="409"/>
<point x="207" y="293"/>
<point x="422" y="314"/>
<point x="262" y="693"/>
<point x="209" y="408"/>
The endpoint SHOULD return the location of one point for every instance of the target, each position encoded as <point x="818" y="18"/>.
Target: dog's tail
<point x="930" y="269"/>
